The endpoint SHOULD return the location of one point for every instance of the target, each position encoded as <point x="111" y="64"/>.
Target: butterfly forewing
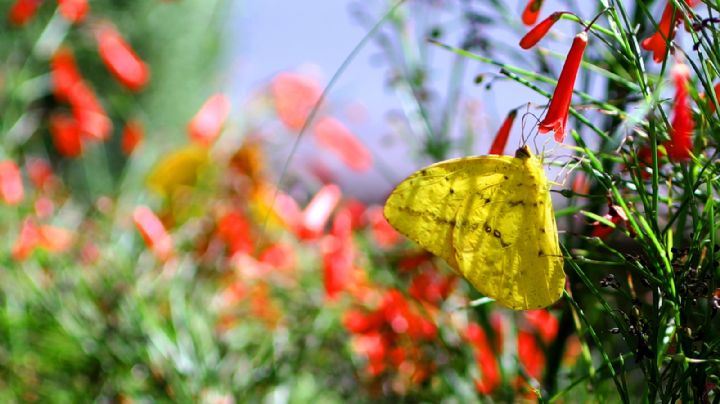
<point x="505" y="239"/>
<point x="424" y="206"/>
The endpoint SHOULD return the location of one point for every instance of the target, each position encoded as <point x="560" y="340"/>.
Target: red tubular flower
<point x="683" y="124"/>
<point x="502" y="135"/>
<point x="120" y="58"/>
<point x="11" y="185"/>
<point x="539" y="31"/>
<point x="66" y="135"/>
<point x="294" y="96"/>
<point x="532" y="11"/>
<point x="153" y="232"/>
<point x="206" y="125"/>
<point x="557" y="114"/>
<point x="334" y="136"/>
<point x="73" y="10"/>
<point x="657" y="42"/>
<point x="23" y="11"/>
<point x="132" y="136"/>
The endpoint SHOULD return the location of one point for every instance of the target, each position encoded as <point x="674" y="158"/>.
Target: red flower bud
<point x="120" y="58"/>
<point x="207" y="124"/>
<point x="539" y="31"/>
<point x="502" y="135"/>
<point x="683" y="124"/>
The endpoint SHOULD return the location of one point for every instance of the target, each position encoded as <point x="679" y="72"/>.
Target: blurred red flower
<point x="543" y="322"/>
<point x="11" y="184"/>
<point x="317" y="212"/>
<point x="531" y="12"/>
<point x="530" y="353"/>
<point x="338" y="252"/>
<point x="206" y="125"/>
<point x="337" y="138"/>
<point x="234" y="230"/>
<point x="559" y="108"/>
<point x="280" y="256"/>
<point x="485" y="357"/>
<point x="431" y="286"/>
<point x="294" y="96"/>
<point x="153" y="232"/>
<point x="32" y="236"/>
<point x="40" y="172"/>
<point x="22" y="11"/>
<point x="69" y="86"/>
<point x="65" y="132"/>
<point x="73" y="10"/>
<point x="383" y="233"/>
<point x="132" y="135"/>
<point x="681" y="134"/>
<point x="120" y="58"/>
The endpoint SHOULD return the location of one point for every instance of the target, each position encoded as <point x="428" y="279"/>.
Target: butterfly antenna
<point x="311" y="116"/>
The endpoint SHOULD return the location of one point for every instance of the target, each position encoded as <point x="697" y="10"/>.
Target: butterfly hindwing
<point x="424" y="206"/>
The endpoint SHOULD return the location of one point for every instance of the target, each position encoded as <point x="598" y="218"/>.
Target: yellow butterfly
<point x="491" y="219"/>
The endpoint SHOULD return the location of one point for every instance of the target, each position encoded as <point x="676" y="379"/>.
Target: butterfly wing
<point x="424" y="207"/>
<point x="505" y="238"/>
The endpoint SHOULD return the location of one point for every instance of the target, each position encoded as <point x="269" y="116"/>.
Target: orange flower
<point x="73" y="10"/>
<point x="294" y="96"/>
<point x="334" y="136"/>
<point x="681" y="134"/>
<point x="153" y="232"/>
<point x="132" y="136"/>
<point x="532" y="11"/>
<point x="502" y="135"/>
<point x="206" y="125"/>
<point x="23" y="11"/>
<point x="66" y="135"/>
<point x="557" y="114"/>
<point x="120" y="58"/>
<point x="11" y="185"/>
<point x="539" y="31"/>
<point x="32" y="236"/>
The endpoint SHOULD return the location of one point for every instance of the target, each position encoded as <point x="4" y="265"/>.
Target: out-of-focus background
<point x="174" y="228"/>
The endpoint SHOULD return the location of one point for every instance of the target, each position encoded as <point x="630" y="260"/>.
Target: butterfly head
<point x="523" y="152"/>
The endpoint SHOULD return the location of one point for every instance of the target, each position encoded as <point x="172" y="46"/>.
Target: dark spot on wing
<point x="488" y="229"/>
<point x="452" y="191"/>
<point x="506" y="177"/>
<point x="487" y="200"/>
<point x="496" y="234"/>
<point x="515" y="203"/>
